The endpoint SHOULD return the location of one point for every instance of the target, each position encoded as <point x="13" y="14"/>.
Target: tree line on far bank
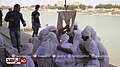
<point x="81" y="6"/>
<point x="70" y="7"/>
<point x="107" y="6"/>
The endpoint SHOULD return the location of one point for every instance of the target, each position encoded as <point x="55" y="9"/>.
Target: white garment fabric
<point x="45" y="38"/>
<point x="45" y="44"/>
<point x="88" y="28"/>
<point x="78" y="57"/>
<point x="104" y="58"/>
<point x="11" y="50"/>
<point x="77" y="37"/>
<point x="86" y="33"/>
<point x="51" y="44"/>
<point x="64" y="65"/>
<point x="64" y="38"/>
<point x="76" y="42"/>
<point x="46" y="62"/>
<point x="43" y="33"/>
<point x="76" y="24"/>
<point x="66" y="16"/>
<point x="40" y="51"/>
<point x="47" y="48"/>
<point x="92" y="48"/>
<point x="29" y="63"/>
<point x="65" y="61"/>
<point x="51" y="28"/>
<point x="78" y="30"/>
<point x="93" y="33"/>
<point x="41" y="48"/>
<point x="103" y="52"/>
<point x="27" y="49"/>
<point x="36" y="41"/>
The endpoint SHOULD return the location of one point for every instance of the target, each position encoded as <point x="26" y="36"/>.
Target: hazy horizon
<point x="33" y="2"/>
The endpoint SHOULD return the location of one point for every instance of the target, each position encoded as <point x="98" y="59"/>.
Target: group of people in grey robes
<point x="12" y="52"/>
<point x="49" y="49"/>
<point x="79" y="49"/>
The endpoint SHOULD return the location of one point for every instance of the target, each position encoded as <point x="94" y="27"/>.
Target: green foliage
<point x="32" y="5"/>
<point x="107" y="6"/>
<point x="43" y="6"/>
<point x="50" y="6"/>
<point x="89" y="6"/>
<point x="72" y="7"/>
<point x="60" y="7"/>
<point x="82" y="6"/>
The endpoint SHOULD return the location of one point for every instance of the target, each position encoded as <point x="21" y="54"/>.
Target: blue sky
<point x="32" y="2"/>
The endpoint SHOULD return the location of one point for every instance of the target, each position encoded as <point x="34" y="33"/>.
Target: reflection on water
<point x="106" y="26"/>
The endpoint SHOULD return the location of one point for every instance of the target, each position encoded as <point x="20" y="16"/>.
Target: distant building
<point x="73" y="3"/>
<point x="60" y="3"/>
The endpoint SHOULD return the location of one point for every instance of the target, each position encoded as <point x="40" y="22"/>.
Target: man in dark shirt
<point x="1" y="17"/>
<point x="35" y="21"/>
<point x="14" y="17"/>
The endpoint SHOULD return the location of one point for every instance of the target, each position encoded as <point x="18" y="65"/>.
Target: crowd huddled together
<point x="53" y="49"/>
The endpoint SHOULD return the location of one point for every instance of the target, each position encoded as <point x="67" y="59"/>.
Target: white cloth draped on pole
<point x="67" y="16"/>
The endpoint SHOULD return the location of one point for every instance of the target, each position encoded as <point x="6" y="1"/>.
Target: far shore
<point x="82" y="12"/>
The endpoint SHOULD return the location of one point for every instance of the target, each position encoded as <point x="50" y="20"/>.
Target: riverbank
<point x="88" y="13"/>
<point x="104" y="12"/>
<point x="93" y="12"/>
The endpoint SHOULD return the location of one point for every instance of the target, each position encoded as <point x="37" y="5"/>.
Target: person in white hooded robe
<point x="52" y="29"/>
<point x="49" y="43"/>
<point x="91" y="48"/>
<point x="47" y="48"/>
<point x="76" y="27"/>
<point x="95" y="35"/>
<point x="27" y="51"/>
<point x="43" y="33"/>
<point x="36" y="41"/>
<point x="71" y="35"/>
<point x="65" y="49"/>
<point x="77" y="35"/>
<point x="8" y="52"/>
<point x="11" y="50"/>
<point x="104" y="58"/>
<point x="77" y="42"/>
